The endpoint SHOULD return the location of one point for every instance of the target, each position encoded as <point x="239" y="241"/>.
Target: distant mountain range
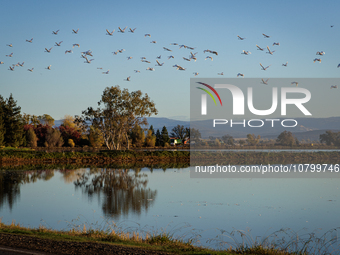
<point x="307" y="128"/>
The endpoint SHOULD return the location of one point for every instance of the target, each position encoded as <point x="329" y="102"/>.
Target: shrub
<point x="71" y="143"/>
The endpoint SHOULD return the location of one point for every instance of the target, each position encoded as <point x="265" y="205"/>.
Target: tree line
<point x="116" y="124"/>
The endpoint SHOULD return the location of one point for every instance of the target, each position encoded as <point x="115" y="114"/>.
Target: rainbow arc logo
<point x="209" y="93"/>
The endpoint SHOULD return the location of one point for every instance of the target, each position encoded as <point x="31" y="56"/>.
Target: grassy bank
<point x="163" y="243"/>
<point x="250" y="158"/>
<point x="32" y="156"/>
<point x="130" y="158"/>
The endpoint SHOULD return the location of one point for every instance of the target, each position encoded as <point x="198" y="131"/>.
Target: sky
<point x="301" y="27"/>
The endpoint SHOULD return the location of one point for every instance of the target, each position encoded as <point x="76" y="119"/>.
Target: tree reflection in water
<point x="124" y="191"/>
<point x="10" y="182"/>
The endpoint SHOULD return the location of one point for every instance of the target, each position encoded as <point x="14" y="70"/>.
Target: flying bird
<point x="269" y="51"/>
<point x="153" y="42"/>
<point x="220" y="73"/>
<point x="209" y="57"/>
<point x="147" y="35"/>
<point x="334" y="86"/>
<point x="196" y="73"/>
<point x="166" y="49"/>
<point x="128" y="78"/>
<point x="128" y="58"/>
<point x="338" y="65"/>
<point x="159" y="64"/>
<point x="99" y="68"/>
<point x="109" y="33"/>
<point x="75" y="44"/>
<point x="240" y="38"/>
<point x="171" y="57"/>
<point x="10" y="55"/>
<point x="320" y="53"/>
<point x="150" y="69"/>
<point x="11" y="68"/>
<point x="29" y="40"/>
<point x="107" y="72"/>
<point x="132" y="30"/>
<point x="179" y="67"/>
<point x="68" y="51"/>
<point x="75" y="31"/>
<point x="245" y="52"/>
<point x="285" y="64"/>
<point x="22" y="64"/>
<point x="31" y="70"/>
<point x="122" y="30"/>
<point x="240" y="74"/>
<point x="317" y="59"/>
<point x="187" y="59"/>
<point x="264" y="81"/>
<point x="173" y="43"/>
<point x="276" y="43"/>
<point x="159" y="57"/>
<point x="294" y="82"/>
<point x="146" y="61"/>
<point x="49" y="67"/>
<point x="1" y="62"/>
<point x="266" y="36"/>
<point x="137" y="71"/>
<point x="55" y="32"/>
<point x="264" y="68"/>
<point x="10" y="45"/>
<point x="58" y="44"/>
<point x="48" y="50"/>
<point x="259" y="48"/>
<point x="88" y="61"/>
<point x="88" y="52"/>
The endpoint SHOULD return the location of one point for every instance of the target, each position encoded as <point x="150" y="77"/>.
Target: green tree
<point x="34" y="120"/>
<point x="13" y="123"/>
<point x="150" y="139"/>
<point x="252" y="139"/>
<point x="95" y="137"/>
<point x="152" y="130"/>
<point x="2" y="124"/>
<point x="46" y="119"/>
<point x="228" y="139"/>
<point x="31" y="138"/>
<point x="195" y="135"/>
<point x="164" y="137"/>
<point x="137" y="136"/>
<point x="118" y="112"/>
<point x="330" y="138"/>
<point x="180" y="132"/>
<point x="53" y="138"/>
<point x="158" y="138"/>
<point x="286" y="138"/>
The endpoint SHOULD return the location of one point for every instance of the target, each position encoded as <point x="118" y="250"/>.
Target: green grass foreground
<point x="162" y="242"/>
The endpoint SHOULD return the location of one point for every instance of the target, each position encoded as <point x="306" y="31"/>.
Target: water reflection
<point x="123" y="192"/>
<point x="10" y="182"/>
<point x="120" y="191"/>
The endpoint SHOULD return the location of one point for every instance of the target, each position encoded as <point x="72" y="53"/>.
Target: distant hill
<point x="307" y="128"/>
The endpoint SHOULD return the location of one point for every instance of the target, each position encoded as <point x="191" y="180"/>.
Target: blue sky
<point x="301" y="27"/>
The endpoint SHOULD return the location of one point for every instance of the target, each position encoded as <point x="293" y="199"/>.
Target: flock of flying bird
<point x="192" y="57"/>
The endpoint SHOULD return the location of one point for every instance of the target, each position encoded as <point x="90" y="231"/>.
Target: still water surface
<point x="153" y="199"/>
